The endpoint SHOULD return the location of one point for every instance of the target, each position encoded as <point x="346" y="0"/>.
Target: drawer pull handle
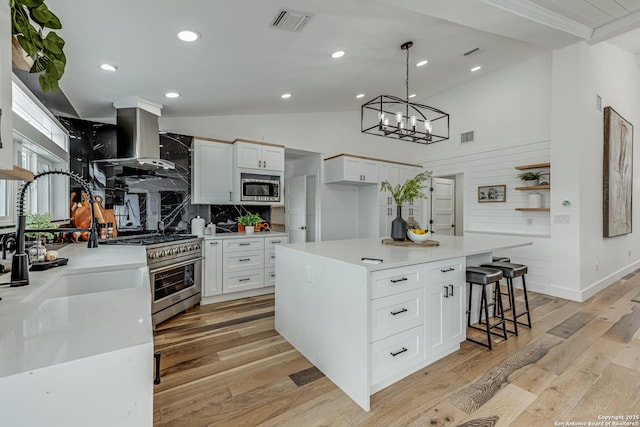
<point x="276" y="241"/>
<point x="404" y="279"/>
<point x="451" y="287"/>
<point x="157" y="355"/>
<point x="395" y="313"/>
<point x="244" y="259"/>
<point x="273" y="257"/>
<point x="244" y="244"/>
<point x="399" y="352"/>
<point x="446" y="291"/>
<point x="446" y="270"/>
<point x="246" y="279"/>
<point x="273" y="274"/>
<point x="213" y="243"/>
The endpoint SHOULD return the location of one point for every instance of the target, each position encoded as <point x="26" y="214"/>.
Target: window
<point x="40" y="144"/>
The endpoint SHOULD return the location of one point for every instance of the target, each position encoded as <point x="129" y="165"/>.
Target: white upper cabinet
<point x="253" y="155"/>
<point x="350" y="170"/>
<point x="211" y="172"/>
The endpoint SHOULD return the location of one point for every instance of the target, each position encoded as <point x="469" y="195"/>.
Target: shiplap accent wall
<point x="496" y="166"/>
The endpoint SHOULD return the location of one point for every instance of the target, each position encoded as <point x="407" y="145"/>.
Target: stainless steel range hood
<point x="138" y="144"/>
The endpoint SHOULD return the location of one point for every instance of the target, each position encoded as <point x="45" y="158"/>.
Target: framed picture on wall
<point x="492" y="193"/>
<point x="617" y="174"/>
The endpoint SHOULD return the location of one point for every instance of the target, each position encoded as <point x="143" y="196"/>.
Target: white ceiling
<point x="242" y="66"/>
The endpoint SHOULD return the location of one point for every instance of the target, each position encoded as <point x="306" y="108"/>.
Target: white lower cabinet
<point x="392" y="355"/>
<point x="239" y="264"/>
<point x="243" y="280"/>
<point x="212" y="268"/>
<point x="416" y="315"/>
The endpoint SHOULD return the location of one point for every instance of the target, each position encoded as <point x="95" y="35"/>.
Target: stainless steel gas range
<point x="175" y="268"/>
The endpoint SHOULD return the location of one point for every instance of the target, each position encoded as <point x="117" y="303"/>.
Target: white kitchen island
<point x="76" y="344"/>
<point x="368" y="325"/>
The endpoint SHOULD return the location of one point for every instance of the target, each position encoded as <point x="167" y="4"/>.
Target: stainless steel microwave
<point x="260" y="188"/>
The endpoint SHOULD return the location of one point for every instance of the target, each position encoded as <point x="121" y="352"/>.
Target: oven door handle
<point x="172" y="266"/>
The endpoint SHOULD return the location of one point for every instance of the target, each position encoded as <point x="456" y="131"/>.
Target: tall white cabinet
<point x="211" y="171"/>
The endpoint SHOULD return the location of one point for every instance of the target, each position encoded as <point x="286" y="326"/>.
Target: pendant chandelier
<point x="397" y="118"/>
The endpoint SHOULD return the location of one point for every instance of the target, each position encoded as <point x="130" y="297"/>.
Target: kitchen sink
<point x="73" y="283"/>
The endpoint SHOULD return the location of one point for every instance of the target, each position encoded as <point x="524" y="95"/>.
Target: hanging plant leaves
<point x="29" y="18"/>
<point x="49" y="44"/>
<point x="39" y="65"/>
<point x="43" y="16"/>
<point x="26" y="44"/>
<point x="28" y="3"/>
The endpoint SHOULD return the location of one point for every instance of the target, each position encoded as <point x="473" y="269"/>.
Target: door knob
<point x="304" y="227"/>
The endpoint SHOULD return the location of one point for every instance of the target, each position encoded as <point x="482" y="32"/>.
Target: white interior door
<point x="443" y="206"/>
<point x="295" y="207"/>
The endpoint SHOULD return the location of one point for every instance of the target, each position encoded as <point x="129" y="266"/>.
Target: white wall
<point x="580" y="72"/>
<point x="6" y="134"/>
<point x="507" y="107"/>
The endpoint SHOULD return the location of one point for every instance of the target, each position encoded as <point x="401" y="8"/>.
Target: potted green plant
<point x="530" y="178"/>
<point x="411" y="189"/>
<point x="249" y="221"/>
<point x="29" y="19"/>
<point x="37" y="221"/>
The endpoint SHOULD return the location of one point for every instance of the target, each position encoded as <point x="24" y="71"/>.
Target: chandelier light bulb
<point x="399" y="117"/>
<point x="428" y="127"/>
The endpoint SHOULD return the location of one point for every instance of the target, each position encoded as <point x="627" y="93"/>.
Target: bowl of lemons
<point x="418" y="235"/>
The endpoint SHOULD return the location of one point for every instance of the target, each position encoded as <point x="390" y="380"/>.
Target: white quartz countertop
<point x="99" y="302"/>
<point x="352" y="251"/>
<point x="244" y="235"/>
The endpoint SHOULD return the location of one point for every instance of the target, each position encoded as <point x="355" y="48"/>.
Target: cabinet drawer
<point x="270" y="276"/>
<point x="252" y="243"/>
<point x="393" y="281"/>
<point x="240" y="261"/>
<point x="242" y="280"/>
<point x="270" y="258"/>
<point x="396" y="354"/>
<point x="396" y="313"/>
<point x="271" y="242"/>
<point x="451" y="269"/>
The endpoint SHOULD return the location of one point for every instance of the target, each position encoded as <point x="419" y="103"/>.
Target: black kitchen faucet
<point x="20" y="261"/>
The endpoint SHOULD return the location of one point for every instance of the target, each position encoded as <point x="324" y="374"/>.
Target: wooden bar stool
<point x="510" y="271"/>
<point x="483" y="277"/>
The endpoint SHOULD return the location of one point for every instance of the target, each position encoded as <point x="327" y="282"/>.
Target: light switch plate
<point x="562" y="219"/>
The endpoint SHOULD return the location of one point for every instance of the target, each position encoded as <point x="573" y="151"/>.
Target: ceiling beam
<point x="541" y="15"/>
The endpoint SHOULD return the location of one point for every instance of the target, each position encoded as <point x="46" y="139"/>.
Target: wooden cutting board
<point x="409" y="243"/>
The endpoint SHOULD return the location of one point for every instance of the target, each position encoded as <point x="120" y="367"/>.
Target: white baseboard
<point x="605" y="282"/>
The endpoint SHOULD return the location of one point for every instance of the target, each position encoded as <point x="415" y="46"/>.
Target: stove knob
<point x="183" y="248"/>
<point x="191" y="247"/>
<point x="152" y="255"/>
<point x="175" y="251"/>
<point x="161" y="254"/>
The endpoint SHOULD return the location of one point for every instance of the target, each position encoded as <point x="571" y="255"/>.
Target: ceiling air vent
<point x="290" y="20"/>
<point x="466" y="137"/>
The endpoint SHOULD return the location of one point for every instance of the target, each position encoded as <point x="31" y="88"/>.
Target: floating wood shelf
<point x="534" y="166"/>
<point x="535" y="187"/>
<point x="533" y="209"/>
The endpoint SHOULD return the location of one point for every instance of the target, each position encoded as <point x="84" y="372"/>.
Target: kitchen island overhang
<point x="331" y="306"/>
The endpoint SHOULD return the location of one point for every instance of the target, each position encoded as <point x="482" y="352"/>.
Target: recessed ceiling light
<point x="476" y="68"/>
<point x="360" y="95"/>
<point x="337" y="54"/>
<point x="108" y="67"/>
<point x="172" y="94"/>
<point x="413" y="95"/>
<point x="285" y="96"/>
<point x="421" y="63"/>
<point x="188" y="36"/>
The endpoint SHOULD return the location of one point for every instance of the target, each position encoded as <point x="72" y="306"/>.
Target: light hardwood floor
<point x="225" y="365"/>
